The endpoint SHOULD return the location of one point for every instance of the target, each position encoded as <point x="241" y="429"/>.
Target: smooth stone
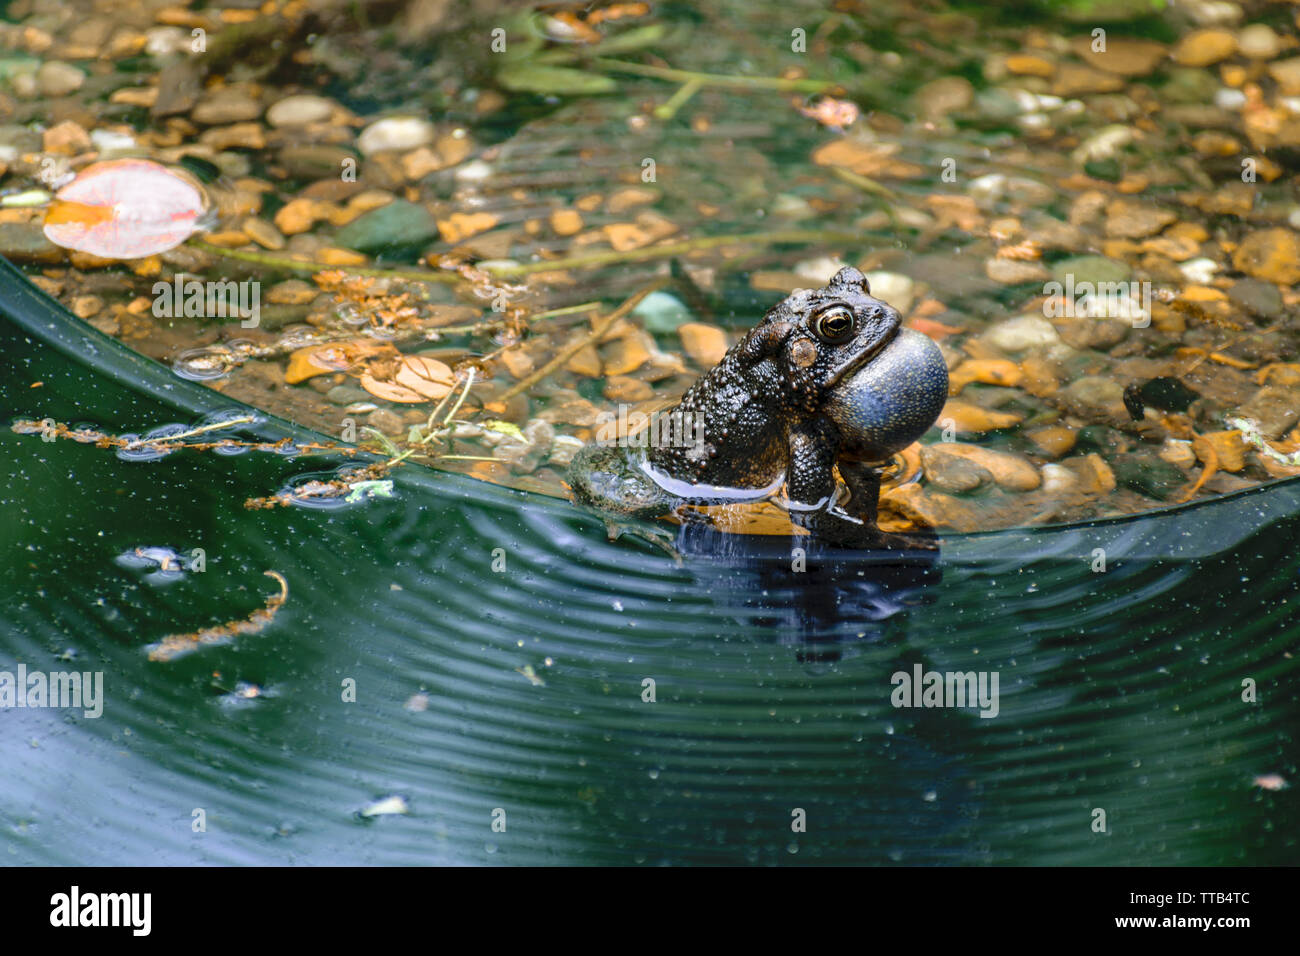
<point x="1058" y="478"/>
<point x="1021" y="333"/>
<point x="225" y="106"/>
<point x="1101" y="439"/>
<point x="945" y="95"/>
<point x="1205" y="47"/>
<point x="346" y="395"/>
<point x="108" y="142"/>
<point x="1275" y="407"/>
<point x="315" y="162"/>
<point x="1258" y="42"/>
<point x="399" y="223"/>
<point x="1257" y="296"/>
<point x="662" y="312"/>
<point x="1094" y="269"/>
<point x="1270" y="254"/>
<point x="1187" y="85"/>
<point x="396" y="133"/>
<point x="300" y="110"/>
<point x="1098" y="393"/>
<point x="951" y="473"/>
<point x="1103" y="144"/>
<point x="59" y="79"/>
<point x="1147" y="474"/>
<point x="1015" y="271"/>
<point x="26" y="242"/>
<point x="820" y="270"/>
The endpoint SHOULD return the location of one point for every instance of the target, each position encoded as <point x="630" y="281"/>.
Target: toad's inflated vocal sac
<point x="828" y="378"/>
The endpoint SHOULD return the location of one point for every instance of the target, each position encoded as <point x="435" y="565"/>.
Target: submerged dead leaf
<point x="865" y="159"/>
<point x="416" y="380"/>
<point x="1226" y="448"/>
<point x="648" y="228"/>
<point x="462" y="225"/>
<point x="966" y="417"/>
<point x="986" y="372"/>
<point x="313" y="360"/>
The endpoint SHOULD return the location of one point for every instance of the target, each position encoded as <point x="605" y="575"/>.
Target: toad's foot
<point x="661" y="538"/>
<point x="844" y="530"/>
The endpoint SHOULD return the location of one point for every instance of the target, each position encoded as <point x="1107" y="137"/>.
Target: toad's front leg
<point x="810" y="486"/>
<point x="863" y="481"/>
<point x="810" y="477"/>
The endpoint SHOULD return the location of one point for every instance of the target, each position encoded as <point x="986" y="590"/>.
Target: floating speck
<point x="385" y="807"/>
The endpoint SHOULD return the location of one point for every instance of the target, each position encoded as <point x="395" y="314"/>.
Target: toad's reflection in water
<point x="810" y="594"/>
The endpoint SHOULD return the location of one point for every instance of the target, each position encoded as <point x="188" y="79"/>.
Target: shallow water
<point x="996" y="152"/>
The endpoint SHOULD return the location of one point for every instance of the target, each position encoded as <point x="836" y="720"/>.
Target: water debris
<point x="206" y="363"/>
<point x="834" y="114"/>
<point x="504" y="428"/>
<point x="1250" y="433"/>
<point x="177" y="645"/>
<point x="369" y="489"/>
<point x="127" y="209"/>
<point x="417" y="703"/>
<point x="163" y="564"/>
<point x="391" y="805"/>
<point x="162" y="441"/>
<point x="26" y="198"/>
<point x="528" y="671"/>
<point x="331" y="489"/>
<point x="244" y="694"/>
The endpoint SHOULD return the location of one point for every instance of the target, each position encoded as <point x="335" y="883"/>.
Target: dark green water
<point x="1120" y="690"/>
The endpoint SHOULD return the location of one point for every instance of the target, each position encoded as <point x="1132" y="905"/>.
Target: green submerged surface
<point x="1120" y="690"/>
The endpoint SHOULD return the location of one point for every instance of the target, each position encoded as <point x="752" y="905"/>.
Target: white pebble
<point x="1058" y="478"/>
<point x="299" y="110"/>
<point x="819" y="270"/>
<point x="1022" y="332"/>
<point x="893" y="287"/>
<point x="475" y="171"/>
<point x="1229" y="99"/>
<point x="1200" y="271"/>
<point x="396" y="133"/>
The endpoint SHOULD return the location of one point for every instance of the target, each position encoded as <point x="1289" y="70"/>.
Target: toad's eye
<point x="835" y="324"/>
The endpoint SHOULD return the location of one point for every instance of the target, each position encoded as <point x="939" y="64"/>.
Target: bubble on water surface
<point x="205" y="364"/>
<point x="145" y="448"/>
<point x="236" y="417"/>
<point x="164" y="565"/>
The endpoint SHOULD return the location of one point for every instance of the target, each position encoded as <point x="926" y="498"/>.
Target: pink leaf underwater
<point x="127" y="209"/>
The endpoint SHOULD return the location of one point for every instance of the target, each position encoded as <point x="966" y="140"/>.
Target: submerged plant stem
<point x="671" y="249"/>
<point x="589" y="261"/>
<point x="716" y="79"/>
<point x="602" y="326"/>
<point x="297" y="265"/>
<point x="668" y="110"/>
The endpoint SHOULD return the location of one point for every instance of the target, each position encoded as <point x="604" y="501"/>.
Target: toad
<point x="828" y="378"/>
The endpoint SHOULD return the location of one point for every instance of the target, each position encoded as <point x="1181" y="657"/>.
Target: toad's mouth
<point x="863" y="357"/>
